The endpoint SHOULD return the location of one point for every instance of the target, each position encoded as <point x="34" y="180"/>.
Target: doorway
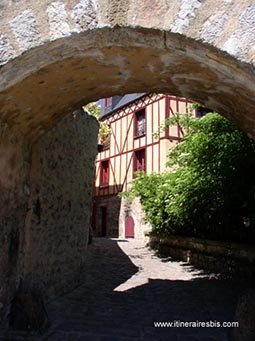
<point x="129" y="227"/>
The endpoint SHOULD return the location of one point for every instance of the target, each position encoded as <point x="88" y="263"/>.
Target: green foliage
<point x="92" y="109"/>
<point x="184" y="120"/>
<point x="211" y="192"/>
<point x="104" y="133"/>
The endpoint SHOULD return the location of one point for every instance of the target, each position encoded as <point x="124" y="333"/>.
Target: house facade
<point x="132" y="146"/>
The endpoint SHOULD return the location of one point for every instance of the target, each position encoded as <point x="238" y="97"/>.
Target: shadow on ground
<point x="94" y="311"/>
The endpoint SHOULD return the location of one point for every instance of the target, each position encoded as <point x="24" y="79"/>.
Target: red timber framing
<point x="135" y="106"/>
<point x="130" y="150"/>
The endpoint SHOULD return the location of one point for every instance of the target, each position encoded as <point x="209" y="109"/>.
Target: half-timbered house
<point x="132" y="146"/>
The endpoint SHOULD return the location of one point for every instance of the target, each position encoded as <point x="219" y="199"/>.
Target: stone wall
<point x="112" y="206"/>
<point x="135" y="210"/>
<point x="45" y="200"/>
<point x="226" y="258"/>
<point x="14" y="195"/>
<point x="117" y="209"/>
<point x="56" y="55"/>
<point x="58" y="218"/>
<point x="31" y="24"/>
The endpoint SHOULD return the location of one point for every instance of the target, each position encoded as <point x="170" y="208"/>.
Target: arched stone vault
<point x="56" y="56"/>
<point x="39" y="87"/>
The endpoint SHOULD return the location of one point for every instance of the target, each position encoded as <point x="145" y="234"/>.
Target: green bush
<point x="210" y="192"/>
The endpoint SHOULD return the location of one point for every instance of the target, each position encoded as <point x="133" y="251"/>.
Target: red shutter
<point x="104" y="173"/>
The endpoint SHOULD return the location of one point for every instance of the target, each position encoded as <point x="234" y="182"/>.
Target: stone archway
<point x="63" y="74"/>
<point x="58" y="55"/>
<point x="71" y="52"/>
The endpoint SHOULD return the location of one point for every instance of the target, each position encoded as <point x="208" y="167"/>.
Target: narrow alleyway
<point x="127" y="288"/>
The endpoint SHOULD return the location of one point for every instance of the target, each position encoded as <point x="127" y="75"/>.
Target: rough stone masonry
<point x="56" y="56"/>
<point x="45" y="202"/>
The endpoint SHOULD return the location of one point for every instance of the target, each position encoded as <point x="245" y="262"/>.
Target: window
<point x="201" y="111"/>
<point x="104" y="173"/>
<point x="140" y="123"/>
<point x="139" y="160"/>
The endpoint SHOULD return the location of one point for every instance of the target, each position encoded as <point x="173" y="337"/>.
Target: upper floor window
<point x="202" y="111"/>
<point x="140" y="123"/>
<point x="104" y="173"/>
<point x="139" y="161"/>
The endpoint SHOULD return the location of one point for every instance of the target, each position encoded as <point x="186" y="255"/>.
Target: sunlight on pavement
<point x="152" y="267"/>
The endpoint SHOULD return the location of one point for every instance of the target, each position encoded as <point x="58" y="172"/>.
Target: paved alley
<point x="126" y="288"/>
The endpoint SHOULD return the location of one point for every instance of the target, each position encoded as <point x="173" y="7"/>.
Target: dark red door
<point x="129" y="227"/>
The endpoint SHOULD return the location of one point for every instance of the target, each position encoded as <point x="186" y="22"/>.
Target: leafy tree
<point x="210" y="192"/>
<point x="92" y="109"/>
<point x="183" y="120"/>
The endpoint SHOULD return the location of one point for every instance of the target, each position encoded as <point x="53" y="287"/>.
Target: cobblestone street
<point x="127" y="288"/>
